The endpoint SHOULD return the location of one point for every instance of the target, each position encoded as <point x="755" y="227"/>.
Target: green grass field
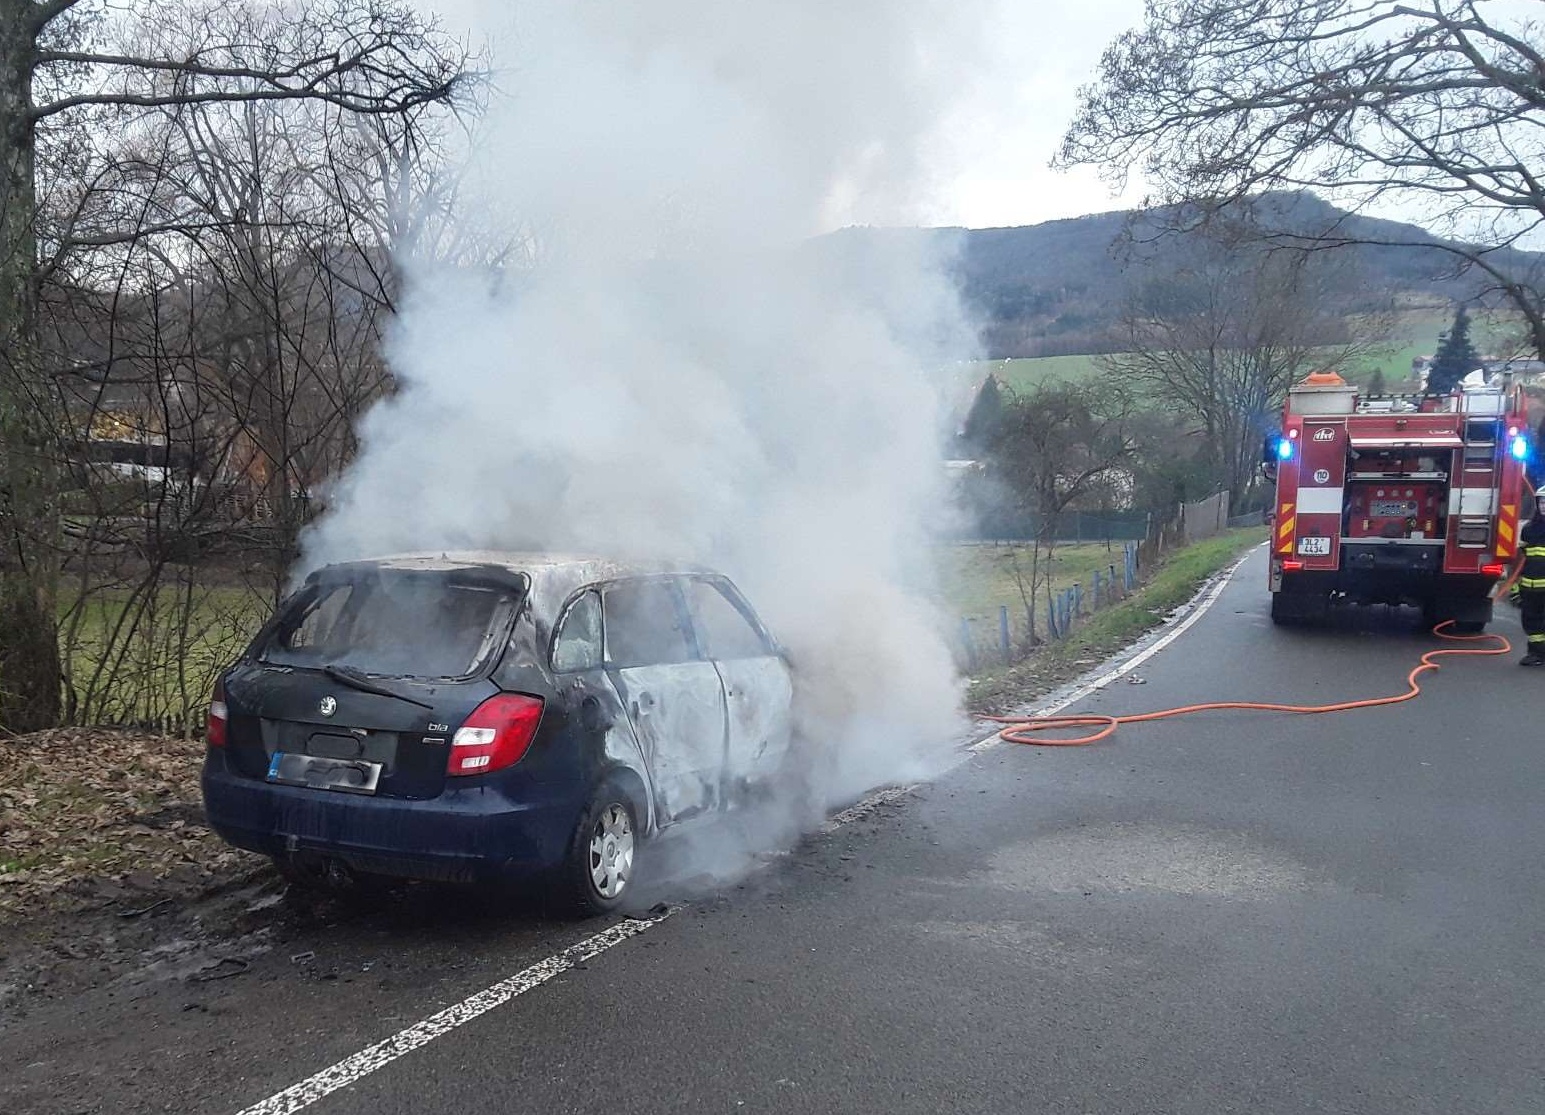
<point x="979" y="579"/>
<point x="996" y="688"/>
<point x="129" y="660"/>
<point x="1411" y="333"/>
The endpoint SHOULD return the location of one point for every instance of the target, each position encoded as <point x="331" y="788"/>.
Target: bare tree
<point x="363" y="57"/>
<point x="1437" y="107"/>
<point x="1055" y="447"/>
<point x="1219" y="341"/>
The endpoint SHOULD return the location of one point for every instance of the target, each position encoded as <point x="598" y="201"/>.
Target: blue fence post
<point x="1094" y="592"/>
<point x="1003" y="630"/>
<point x="1078" y="598"/>
<point x="1051" y="618"/>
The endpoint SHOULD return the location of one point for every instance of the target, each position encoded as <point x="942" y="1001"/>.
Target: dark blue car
<point x="476" y="716"/>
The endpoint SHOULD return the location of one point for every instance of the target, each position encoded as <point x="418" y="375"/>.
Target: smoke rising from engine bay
<point x="683" y="371"/>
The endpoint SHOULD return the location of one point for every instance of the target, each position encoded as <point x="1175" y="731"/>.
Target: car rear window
<point x="396" y="625"/>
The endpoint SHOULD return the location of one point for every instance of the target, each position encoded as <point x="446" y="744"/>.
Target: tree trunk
<point x="29" y="509"/>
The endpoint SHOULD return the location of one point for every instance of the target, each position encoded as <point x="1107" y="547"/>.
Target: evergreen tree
<point x="1455" y="359"/>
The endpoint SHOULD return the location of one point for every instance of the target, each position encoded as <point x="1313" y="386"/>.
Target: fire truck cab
<point x="1395" y="499"/>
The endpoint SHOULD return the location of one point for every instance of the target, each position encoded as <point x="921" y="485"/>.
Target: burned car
<point x="475" y="716"/>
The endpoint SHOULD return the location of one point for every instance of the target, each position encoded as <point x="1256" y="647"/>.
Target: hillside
<point x="1057" y="288"/>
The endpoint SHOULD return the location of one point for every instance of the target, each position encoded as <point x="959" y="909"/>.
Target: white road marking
<point x="1199" y="608"/>
<point x="366" y="1061"/>
<point x="352" y="1069"/>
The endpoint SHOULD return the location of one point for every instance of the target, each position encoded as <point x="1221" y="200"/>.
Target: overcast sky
<point x="988" y="167"/>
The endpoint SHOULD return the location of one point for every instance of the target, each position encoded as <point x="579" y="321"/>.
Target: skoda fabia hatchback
<point x="475" y="716"/>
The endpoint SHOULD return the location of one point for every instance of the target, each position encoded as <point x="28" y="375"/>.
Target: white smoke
<point x="684" y="373"/>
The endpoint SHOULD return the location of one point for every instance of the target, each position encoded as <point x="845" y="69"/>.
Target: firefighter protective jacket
<point x="1532" y="576"/>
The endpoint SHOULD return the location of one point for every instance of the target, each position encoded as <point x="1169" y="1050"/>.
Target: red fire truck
<point x="1395" y="499"/>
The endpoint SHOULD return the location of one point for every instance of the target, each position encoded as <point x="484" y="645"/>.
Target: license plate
<point x="349" y="776"/>
<point x="1314" y="547"/>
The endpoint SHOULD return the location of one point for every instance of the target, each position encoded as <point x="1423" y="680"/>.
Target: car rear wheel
<point x="599" y="871"/>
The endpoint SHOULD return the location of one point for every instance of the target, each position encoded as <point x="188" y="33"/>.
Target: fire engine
<point x="1395" y="499"/>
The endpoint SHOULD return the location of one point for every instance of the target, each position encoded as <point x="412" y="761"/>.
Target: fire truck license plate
<point x="1314" y="547"/>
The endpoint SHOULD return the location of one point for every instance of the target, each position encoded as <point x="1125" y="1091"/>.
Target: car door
<point x="757" y="687"/>
<point x="673" y="698"/>
<point x="579" y="670"/>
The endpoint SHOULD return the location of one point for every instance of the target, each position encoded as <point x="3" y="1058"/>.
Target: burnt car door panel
<point x="673" y="700"/>
<point x="579" y="664"/>
<point x="757" y="687"/>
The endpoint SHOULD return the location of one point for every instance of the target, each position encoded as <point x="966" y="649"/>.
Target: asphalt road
<point x="1237" y="912"/>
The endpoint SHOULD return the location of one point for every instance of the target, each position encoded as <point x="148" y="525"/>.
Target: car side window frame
<point x="727" y="591"/>
<point x="683" y="620"/>
<point x="595" y="593"/>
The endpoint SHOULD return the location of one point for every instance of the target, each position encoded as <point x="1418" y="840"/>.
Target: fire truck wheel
<point x="1472" y="624"/>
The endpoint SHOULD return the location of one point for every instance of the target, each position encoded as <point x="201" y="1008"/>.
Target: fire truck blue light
<point x="1284" y="449"/>
<point x="1520" y="448"/>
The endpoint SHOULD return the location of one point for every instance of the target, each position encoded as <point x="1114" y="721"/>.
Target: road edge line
<point x="356" y="1067"/>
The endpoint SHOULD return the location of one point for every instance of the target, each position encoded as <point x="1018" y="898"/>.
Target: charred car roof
<point x="553" y="577"/>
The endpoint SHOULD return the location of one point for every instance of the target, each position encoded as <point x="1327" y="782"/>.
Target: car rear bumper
<point x="471" y="832"/>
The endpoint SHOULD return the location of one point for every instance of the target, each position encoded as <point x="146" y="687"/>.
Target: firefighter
<point x="1531" y="583"/>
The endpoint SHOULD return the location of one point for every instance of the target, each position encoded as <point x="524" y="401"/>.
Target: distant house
<point x="1528" y="371"/>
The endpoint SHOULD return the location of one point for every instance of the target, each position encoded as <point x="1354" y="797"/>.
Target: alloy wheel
<point x="611" y="851"/>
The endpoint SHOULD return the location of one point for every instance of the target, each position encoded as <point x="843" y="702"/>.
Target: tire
<point x="1468" y="616"/>
<point x="598" y="873"/>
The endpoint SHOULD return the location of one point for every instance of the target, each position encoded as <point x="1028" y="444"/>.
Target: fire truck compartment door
<point x="1481" y="502"/>
<point x="1414" y="440"/>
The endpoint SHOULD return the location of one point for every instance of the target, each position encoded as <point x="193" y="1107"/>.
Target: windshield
<point x="395" y="625"/>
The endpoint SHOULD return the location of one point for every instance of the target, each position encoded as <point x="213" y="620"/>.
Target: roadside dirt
<point x="104" y="855"/>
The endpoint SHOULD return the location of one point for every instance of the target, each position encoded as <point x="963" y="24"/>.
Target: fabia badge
<point x="327" y="706"/>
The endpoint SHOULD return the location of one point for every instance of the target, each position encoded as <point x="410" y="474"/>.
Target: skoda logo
<point x="327" y="706"/>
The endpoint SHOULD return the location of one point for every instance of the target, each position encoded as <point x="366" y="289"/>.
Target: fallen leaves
<point x="105" y="815"/>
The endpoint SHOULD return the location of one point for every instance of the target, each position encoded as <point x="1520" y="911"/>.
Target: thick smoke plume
<point x="682" y="371"/>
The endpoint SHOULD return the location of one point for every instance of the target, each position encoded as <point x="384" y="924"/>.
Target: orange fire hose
<point x="1022" y="729"/>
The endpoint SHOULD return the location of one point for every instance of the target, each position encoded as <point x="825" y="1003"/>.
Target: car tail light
<point x="219" y="717"/>
<point x="496" y="735"/>
<point x="1495" y="569"/>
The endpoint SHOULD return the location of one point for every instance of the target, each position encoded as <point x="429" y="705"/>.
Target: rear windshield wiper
<point x="356" y="680"/>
